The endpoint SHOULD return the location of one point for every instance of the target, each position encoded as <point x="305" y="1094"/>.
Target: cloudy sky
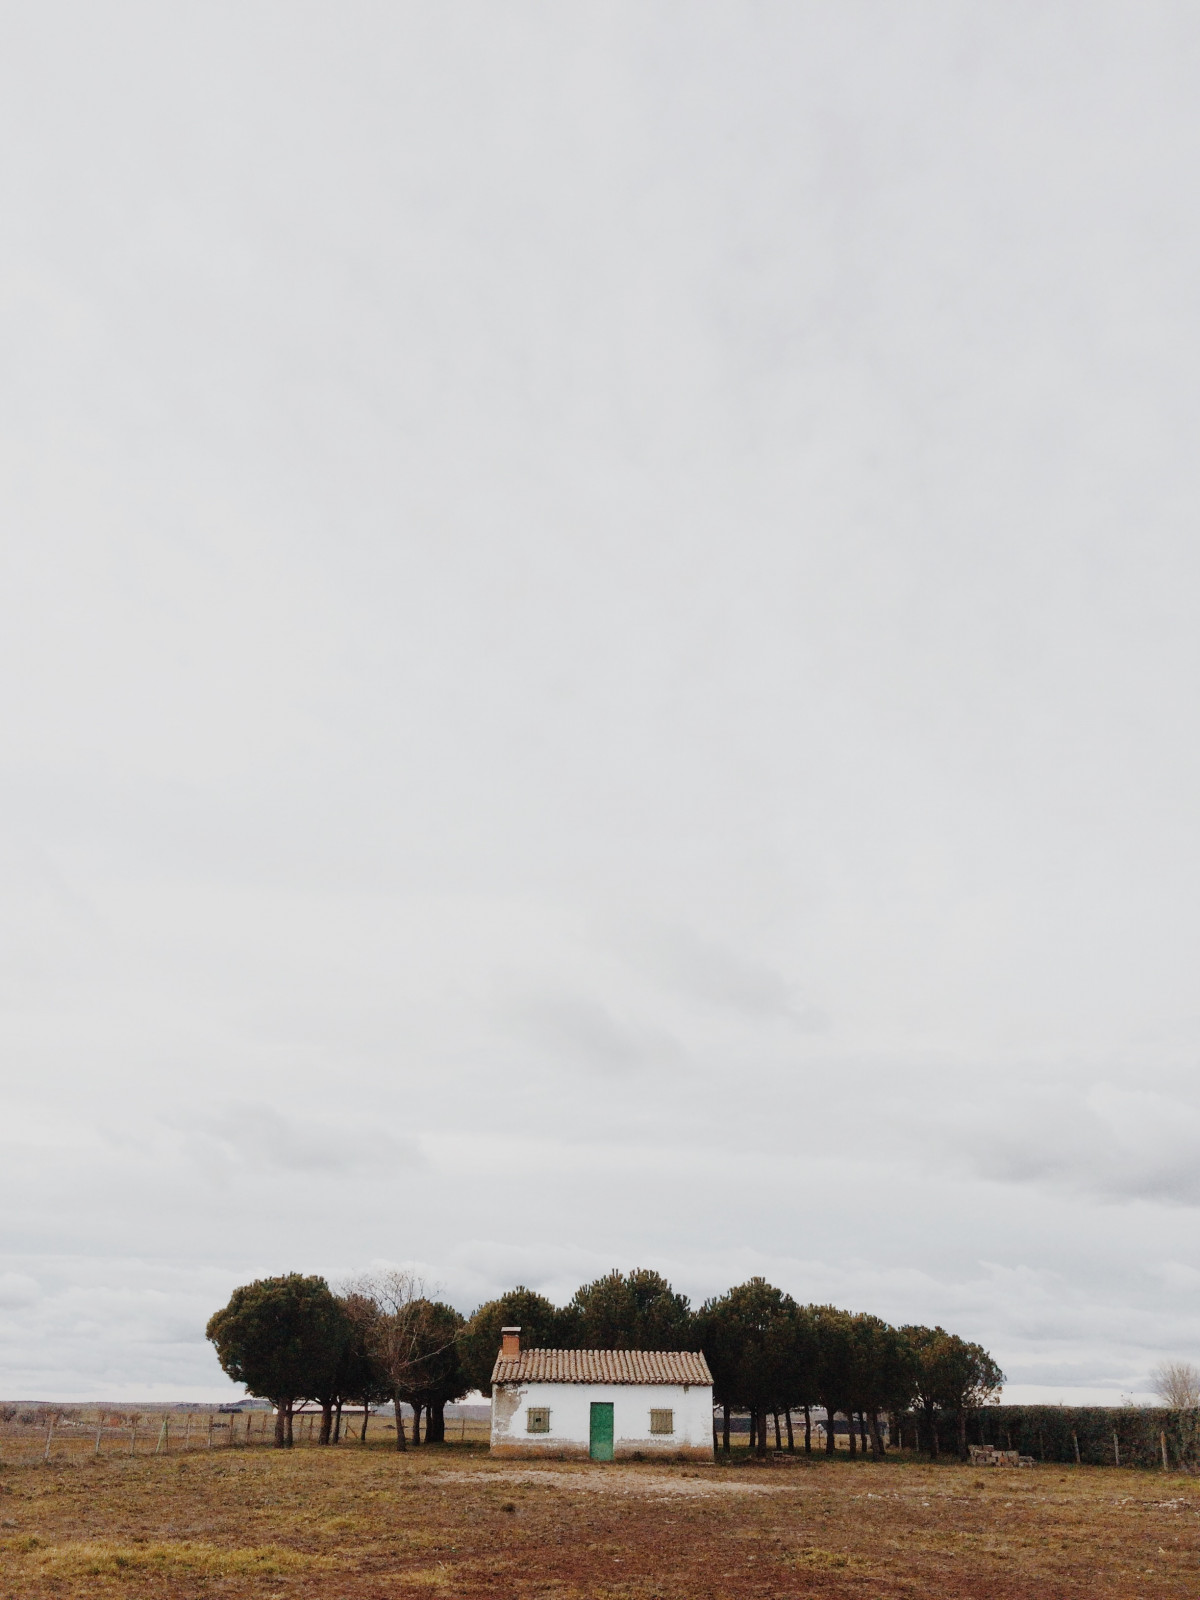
<point x="599" y="665"/>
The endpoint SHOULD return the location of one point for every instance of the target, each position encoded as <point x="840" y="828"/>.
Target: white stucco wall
<point x="570" y="1406"/>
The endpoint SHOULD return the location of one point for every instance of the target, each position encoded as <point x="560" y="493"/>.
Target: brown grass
<point x="365" y="1522"/>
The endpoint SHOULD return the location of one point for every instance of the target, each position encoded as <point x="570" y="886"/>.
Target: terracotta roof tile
<point x="602" y="1366"/>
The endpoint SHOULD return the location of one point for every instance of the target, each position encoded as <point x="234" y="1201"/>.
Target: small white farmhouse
<point x="601" y="1403"/>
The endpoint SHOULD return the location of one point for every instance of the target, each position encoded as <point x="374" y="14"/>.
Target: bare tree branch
<point x="1177" y="1385"/>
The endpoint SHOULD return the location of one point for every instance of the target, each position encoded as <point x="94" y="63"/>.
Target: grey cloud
<point x="1116" y="1144"/>
<point x="704" y="971"/>
<point x="575" y="1033"/>
<point x="17" y="1289"/>
<point x="254" y="1136"/>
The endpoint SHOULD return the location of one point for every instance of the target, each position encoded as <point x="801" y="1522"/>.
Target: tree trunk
<point x="862" y="1430"/>
<point x="725" y="1429"/>
<point x="289" y="1423"/>
<point x="401" y="1441"/>
<point x="933" y="1434"/>
<point x="753" y="1435"/>
<point x="435" y="1422"/>
<point x="778" y="1440"/>
<point x="876" y="1435"/>
<point x="830" y="1431"/>
<point x="326" y="1421"/>
<point x="280" y="1427"/>
<point x="337" y="1422"/>
<point x="761" y="1412"/>
<point x="808" y="1430"/>
<point x="851" y="1430"/>
<point x="790" y="1434"/>
<point x="962" y="1433"/>
<point x="366" y="1418"/>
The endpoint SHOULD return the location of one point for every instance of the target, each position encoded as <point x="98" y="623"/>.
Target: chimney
<point x="510" y="1342"/>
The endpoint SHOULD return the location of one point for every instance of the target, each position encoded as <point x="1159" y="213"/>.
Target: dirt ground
<point x="364" y="1521"/>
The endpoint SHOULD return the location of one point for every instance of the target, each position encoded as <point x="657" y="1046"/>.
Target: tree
<point x="402" y="1336"/>
<point x="952" y="1375"/>
<point x="925" y="1344"/>
<point x="836" y="1369"/>
<point x="749" y="1337"/>
<point x="970" y="1378"/>
<point x="436" y="1376"/>
<point x="718" y="1330"/>
<point x="359" y="1377"/>
<point x="637" y="1312"/>
<point x="1177" y="1385"/>
<point x="283" y="1338"/>
<point x="540" y="1322"/>
<point x="804" y="1366"/>
<point x="883" y="1372"/>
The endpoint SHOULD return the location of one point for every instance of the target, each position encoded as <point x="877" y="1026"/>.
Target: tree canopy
<point x="950" y="1375"/>
<point x="542" y="1325"/>
<point x="751" y="1340"/>
<point x="634" y="1311"/>
<point x="284" y="1339"/>
<point x="290" y="1338"/>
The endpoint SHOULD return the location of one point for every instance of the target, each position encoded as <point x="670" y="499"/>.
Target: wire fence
<point x="44" y="1433"/>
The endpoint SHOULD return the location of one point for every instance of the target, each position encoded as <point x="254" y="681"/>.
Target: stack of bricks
<point x="983" y="1455"/>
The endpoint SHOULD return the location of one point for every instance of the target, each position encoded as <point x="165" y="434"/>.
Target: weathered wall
<point x="570" y="1419"/>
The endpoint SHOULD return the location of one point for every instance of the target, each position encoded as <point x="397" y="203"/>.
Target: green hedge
<point x="1049" y="1433"/>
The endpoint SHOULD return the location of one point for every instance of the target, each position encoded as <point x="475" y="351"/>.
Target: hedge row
<point x="1104" y="1435"/>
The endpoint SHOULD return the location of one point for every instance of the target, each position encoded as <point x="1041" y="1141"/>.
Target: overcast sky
<point x="599" y="665"/>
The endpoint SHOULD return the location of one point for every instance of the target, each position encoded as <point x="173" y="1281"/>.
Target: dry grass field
<point x="364" y="1521"/>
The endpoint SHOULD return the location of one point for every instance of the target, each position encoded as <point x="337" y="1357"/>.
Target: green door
<point x="601" y="1439"/>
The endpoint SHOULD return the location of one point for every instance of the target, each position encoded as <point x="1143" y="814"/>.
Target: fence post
<point x="1075" y="1442"/>
<point x="187" y="1432"/>
<point x="1162" y="1439"/>
<point x="1116" y="1447"/>
<point x="49" y="1437"/>
<point x="210" y="1428"/>
<point x="162" y="1434"/>
<point x="133" y="1437"/>
<point x="99" y="1431"/>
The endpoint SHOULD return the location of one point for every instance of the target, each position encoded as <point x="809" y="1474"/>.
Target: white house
<point x="604" y="1404"/>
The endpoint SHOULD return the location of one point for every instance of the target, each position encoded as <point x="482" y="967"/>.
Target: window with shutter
<point x="662" y="1422"/>
<point x="537" y="1419"/>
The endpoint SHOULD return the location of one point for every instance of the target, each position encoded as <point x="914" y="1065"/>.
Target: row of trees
<point x="292" y="1339"/>
<point x="768" y="1355"/>
<point x="383" y="1338"/>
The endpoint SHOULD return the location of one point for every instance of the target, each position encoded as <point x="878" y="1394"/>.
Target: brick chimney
<point x="510" y="1342"/>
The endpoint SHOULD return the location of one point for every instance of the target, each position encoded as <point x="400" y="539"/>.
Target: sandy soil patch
<point x="619" y="1480"/>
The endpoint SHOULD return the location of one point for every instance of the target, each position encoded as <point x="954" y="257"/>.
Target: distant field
<point x="364" y="1521"/>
